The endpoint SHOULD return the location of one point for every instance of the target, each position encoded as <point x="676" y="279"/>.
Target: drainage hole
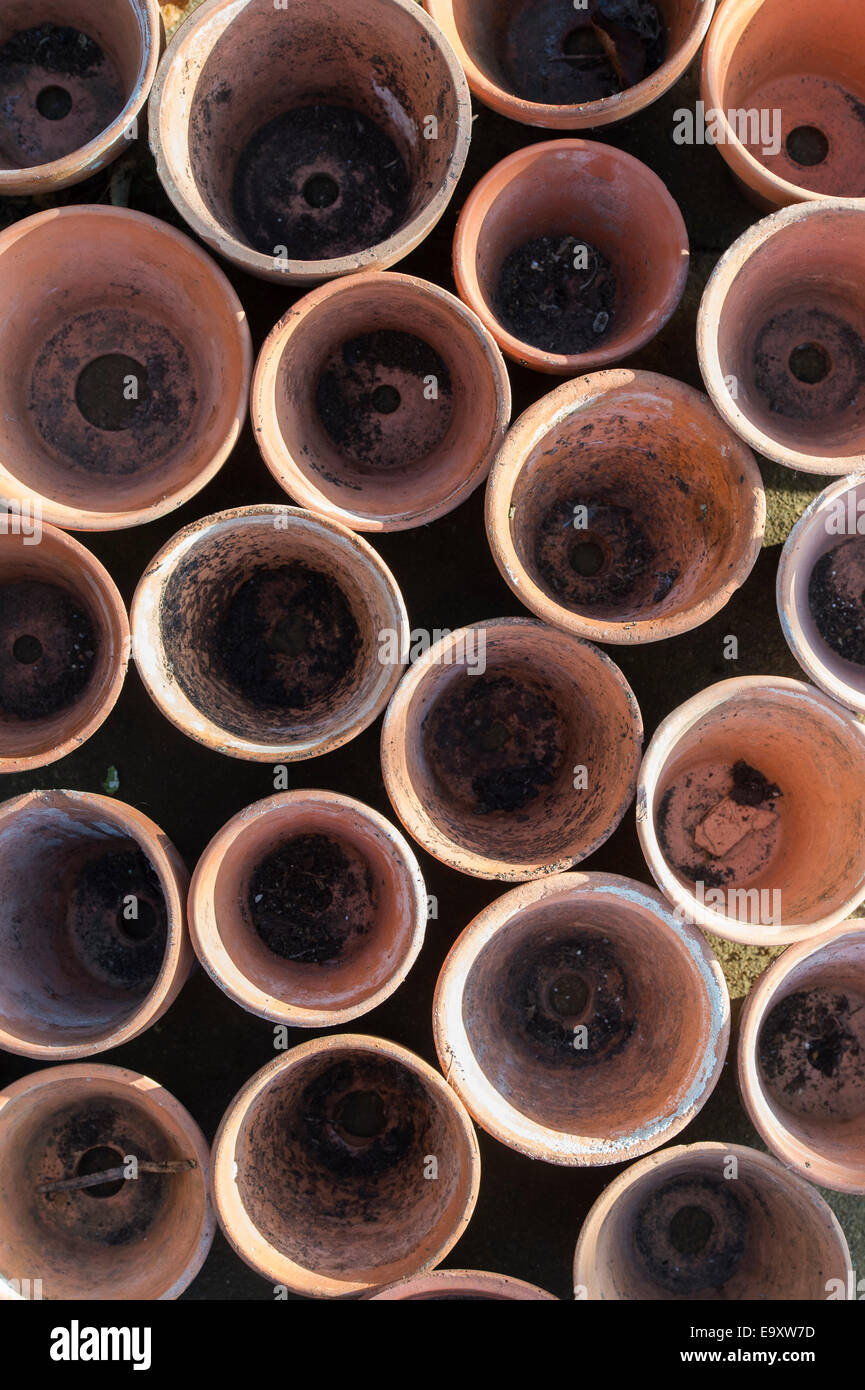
<point x="99" y="1160"/>
<point x="811" y="363"/>
<point x="690" y="1230"/>
<point x="321" y="191"/>
<point x="386" y="399"/>
<point x="134" y="930"/>
<point x="110" y="391"/>
<point x="54" y="103"/>
<point x="806" y="145"/>
<point x="27" y="649"/>
<point x="362" y="1114"/>
<point x="569" y="995"/>
<point x="587" y="558"/>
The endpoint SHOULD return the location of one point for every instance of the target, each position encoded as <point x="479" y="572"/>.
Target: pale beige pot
<point x="455" y="1284"/>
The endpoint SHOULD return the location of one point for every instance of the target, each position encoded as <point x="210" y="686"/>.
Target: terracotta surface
<point x="579" y="1022"/>
<point x="400" y="468"/>
<point x="589" y="191"/>
<point x="148" y="1238"/>
<point x="755" y="788"/>
<point x="183" y="604"/>
<point x="173" y="330"/>
<point x="481" y="764"/>
<point x="237" y="65"/>
<point x="33" y="622"/>
<point x="781" y="337"/>
<point x="323" y="1211"/>
<point x="632" y="477"/>
<point x="771" y="1237"/>
<point x="303" y="992"/>
<point x="79" y="971"/>
<point x="452" y="1285"/>
<point x="477" y="28"/>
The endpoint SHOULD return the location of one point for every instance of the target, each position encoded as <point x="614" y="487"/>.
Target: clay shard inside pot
<point x="720" y="824"/>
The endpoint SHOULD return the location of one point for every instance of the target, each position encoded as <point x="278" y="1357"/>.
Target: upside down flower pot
<point x="453" y="1285"/>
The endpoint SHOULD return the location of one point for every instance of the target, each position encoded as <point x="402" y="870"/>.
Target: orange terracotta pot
<point x="453" y="1285"/>
<point x="782" y="352"/>
<point x="751" y="810"/>
<point x="132" y="367"/>
<point x="597" y="199"/>
<point x="222" y="661"/>
<point x="716" y="1222"/>
<point x="622" y="509"/>
<point x="343" y="1166"/>
<point x="290" y="957"/>
<point x="297" y="199"/>
<point x="579" y="1022"/>
<point x="72" y="100"/>
<point x="92" y="924"/>
<point x="144" y="1238"/>
<point x="64" y="643"/>
<point x="380" y="401"/>
<point x="516" y="53"/>
<point x="510" y="750"/>
<point x="802" y="1058"/>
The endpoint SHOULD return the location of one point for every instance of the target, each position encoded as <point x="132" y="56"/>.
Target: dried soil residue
<point x="48" y="648"/>
<point x="363" y="1117"/>
<point x="554" y="52"/>
<point x="55" y="47"/>
<point x="836" y="596"/>
<point x="690" y="1234"/>
<point x="312" y="899"/>
<point x="608" y="563"/>
<point x="124" y="952"/>
<point x="571" y="983"/>
<point x="546" y="298"/>
<point x="812" y="1052"/>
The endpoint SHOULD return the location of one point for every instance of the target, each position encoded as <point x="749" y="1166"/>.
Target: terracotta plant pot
<point x="751" y="810"/>
<point x="455" y="1285"/>
<point x="380" y="401"/>
<point x="343" y="1166"/>
<point x="716" y="1222"/>
<point x="293" y="193"/>
<point x="572" y="253"/>
<point x="145" y="1237"/>
<point x="821" y="591"/>
<point x="622" y="509"/>
<point x="308" y="908"/>
<point x="131" y="367"/>
<point x="522" y="57"/>
<point x="510" y="750"/>
<point x="579" y="1022"/>
<point x="782" y="56"/>
<point x="802" y="1058"/>
<point x="74" y="77"/>
<point x="64" y="644"/>
<point x="782" y="349"/>
<point x="268" y="633"/>
<point x="93" y="943"/>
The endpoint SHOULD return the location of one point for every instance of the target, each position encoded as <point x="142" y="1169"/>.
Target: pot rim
<point x="467" y="1281"/>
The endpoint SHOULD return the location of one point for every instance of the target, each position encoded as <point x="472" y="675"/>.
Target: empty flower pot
<point x="312" y="138"/>
<point x="457" y="1285"/>
<point x="579" y="1022"/>
<point x="572" y="253"/>
<point x="64" y="644"/>
<point x="781" y="337"/>
<point x="566" y="65"/>
<point x="622" y="508"/>
<point x="131" y="371"/>
<point x="786" y="85"/>
<point x="143" y="1236"/>
<point x="510" y="750"/>
<point x="93" y="943"/>
<point x="802" y="1058"/>
<point x="751" y="810"/>
<point x="308" y="908"/>
<point x="821" y="591"/>
<point x="74" y="77"/>
<point x="268" y="633"/>
<point x="380" y="401"/>
<point x="343" y="1166"/>
<point x="711" y="1222"/>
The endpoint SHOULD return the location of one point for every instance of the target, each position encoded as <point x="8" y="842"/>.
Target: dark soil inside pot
<point x="557" y="293"/>
<point x="312" y="900"/>
<point x="48" y="649"/>
<point x="568" y="1001"/>
<point x="551" y="51"/>
<point x="363" y="1116"/>
<point x="811" y="1052"/>
<point x="719" y="824"/>
<point x="609" y="563"/>
<point x="690" y="1234"/>
<point x="836" y="596"/>
<point x="117" y="920"/>
<point x="809" y="365"/>
<point x="320" y="182"/>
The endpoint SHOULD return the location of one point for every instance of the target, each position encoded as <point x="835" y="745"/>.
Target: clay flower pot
<point x="802" y="1058"/>
<point x="310" y="139"/>
<point x="782" y="348"/>
<point x="268" y="633"/>
<point x="510" y="750"/>
<point x="131" y="367"/>
<point x="821" y="591"/>
<point x="343" y="1166"/>
<point x="456" y="1285"/>
<point x="144" y="1237"/>
<point x="308" y="908"/>
<point x="716" y="1222"/>
<point x="622" y="509"/>
<point x="64" y="644"/>
<point x="380" y="401"/>
<point x="783" y="56"/>
<point x="92" y="924"/>
<point x="570" y="66"/>
<point x="751" y="810"/>
<point x="74" y="77"/>
<point x="579" y="1022"/>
